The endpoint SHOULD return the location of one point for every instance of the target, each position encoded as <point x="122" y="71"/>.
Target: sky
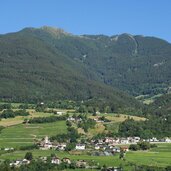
<point x="109" y="17"/>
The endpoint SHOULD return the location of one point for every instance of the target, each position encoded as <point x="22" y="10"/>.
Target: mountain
<point x="135" y="64"/>
<point x="32" y="69"/>
<point x="50" y="64"/>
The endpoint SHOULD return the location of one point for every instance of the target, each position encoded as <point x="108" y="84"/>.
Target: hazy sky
<point x="110" y="17"/>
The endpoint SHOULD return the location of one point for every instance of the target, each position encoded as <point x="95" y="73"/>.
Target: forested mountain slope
<point x="50" y="64"/>
<point x="33" y="70"/>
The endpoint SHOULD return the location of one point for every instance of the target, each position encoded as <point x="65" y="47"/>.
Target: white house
<point x="61" y="146"/>
<point x="16" y="163"/>
<point x="70" y="119"/>
<point x="9" y="149"/>
<point x="124" y="141"/>
<point x="55" y="160"/>
<point x="66" y="160"/>
<point x="59" y="113"/>
<point x="133" y="139"/>
<point x="25" y="161"/>
<point x="167" y="140"/>
<point x="80" y="147"/>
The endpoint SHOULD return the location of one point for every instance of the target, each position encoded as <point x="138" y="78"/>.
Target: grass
<point x="21" y="135"/>
<point x="159" y="156"/>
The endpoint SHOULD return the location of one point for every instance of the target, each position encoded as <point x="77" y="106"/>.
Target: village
<point x="77" y="143"/>
<point x="102" y="147"/>
<point x="107" y="146"/>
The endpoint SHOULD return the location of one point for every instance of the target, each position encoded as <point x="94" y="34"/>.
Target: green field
<point x="107" y="160"/>
<point x="25" y="134"/>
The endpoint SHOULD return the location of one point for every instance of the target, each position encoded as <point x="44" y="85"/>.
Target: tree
<point x="144" y="145"/>
<point x="68" y="123"/>
<point x="29" y="156"/>
<point x="134" y="147"/>
<point x="70" y="146"/>
<point x="122" y="154"/>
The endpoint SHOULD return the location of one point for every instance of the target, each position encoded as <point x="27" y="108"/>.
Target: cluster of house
<point x="47" y="144"/>
<point x="108" y="144"/>
<point x="128" y="140"/>
<point x="57" y="160"/>
<point x="9" y="149"/>
<point x="74" y="119"/>
<point x="115" y="141"/>
<point x="105" y="144"/>
<point x="54" y="160"/>
<point x="18" y="163"/>
<point x="165" y="140"/>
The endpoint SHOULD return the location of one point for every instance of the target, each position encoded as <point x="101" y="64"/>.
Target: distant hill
<point x="50" y="64"/>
